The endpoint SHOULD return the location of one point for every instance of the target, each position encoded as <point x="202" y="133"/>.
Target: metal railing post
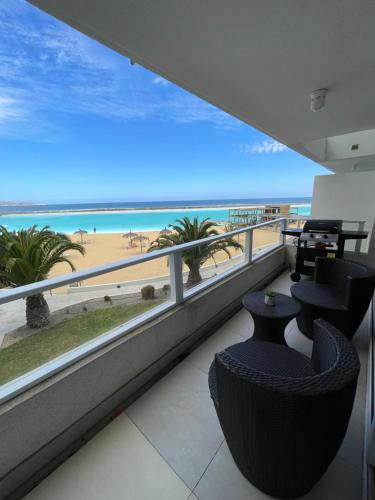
<point x="283" y="226"/>
<point x="177" y="284"/>
<point x="248" y="252"/>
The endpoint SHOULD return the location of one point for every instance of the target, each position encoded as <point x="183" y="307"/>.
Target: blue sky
<point x="79" y="123"/>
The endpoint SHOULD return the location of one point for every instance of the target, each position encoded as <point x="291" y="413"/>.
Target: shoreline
<point x="145" y="210"/>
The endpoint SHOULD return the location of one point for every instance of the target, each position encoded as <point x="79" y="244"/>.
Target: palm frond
<point x="28" y="255"/>
<point x="185" y="230"/>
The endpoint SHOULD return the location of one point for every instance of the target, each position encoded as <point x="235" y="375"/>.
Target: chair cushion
<point x="325" y="296"/>
<point x="272" y="358"/>
<point x="266" y="357"/>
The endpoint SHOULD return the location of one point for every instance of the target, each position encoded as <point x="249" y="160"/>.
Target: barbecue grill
<point x="319" y="238"/>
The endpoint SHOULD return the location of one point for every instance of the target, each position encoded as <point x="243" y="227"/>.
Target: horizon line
<point x="11" y="203"/>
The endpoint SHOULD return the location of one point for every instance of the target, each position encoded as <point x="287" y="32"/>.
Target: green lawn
<point x="49" y="343"/>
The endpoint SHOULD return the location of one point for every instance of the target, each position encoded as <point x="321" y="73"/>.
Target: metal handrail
<point x="10" y="295"/>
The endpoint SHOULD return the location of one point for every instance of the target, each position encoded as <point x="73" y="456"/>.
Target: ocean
<point x="123" y="217"/>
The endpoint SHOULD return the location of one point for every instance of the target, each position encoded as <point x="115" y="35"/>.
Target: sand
<point x="111" y="247"/>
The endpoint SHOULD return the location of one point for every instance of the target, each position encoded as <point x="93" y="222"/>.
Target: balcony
<point x="168" y="443"/>
<point x="128" y="413"/>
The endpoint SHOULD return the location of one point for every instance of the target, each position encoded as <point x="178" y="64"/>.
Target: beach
<point x="103" y="228"/>
<point x="110" y="247"/>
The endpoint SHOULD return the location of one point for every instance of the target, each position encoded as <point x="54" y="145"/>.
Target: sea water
<point x="149" y="218"/>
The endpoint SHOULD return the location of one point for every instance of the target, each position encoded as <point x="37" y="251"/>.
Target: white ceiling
<point x="256" y="59"/>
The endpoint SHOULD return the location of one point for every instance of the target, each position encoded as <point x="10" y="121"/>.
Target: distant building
<point x="250" y="216"/>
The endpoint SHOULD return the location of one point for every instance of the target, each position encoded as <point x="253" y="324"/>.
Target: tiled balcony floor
<point x="169" y="445"/>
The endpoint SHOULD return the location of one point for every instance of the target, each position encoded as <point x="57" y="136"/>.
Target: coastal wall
<point x="46" y="424"/>
<point x="347" y="196"/>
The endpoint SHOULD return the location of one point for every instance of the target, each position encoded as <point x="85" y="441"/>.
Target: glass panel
<point x="294" y="223"/>
<point x="265" y="238"/>
<point x="78" y="313"/>
<point x="351" y="245"/>
<point x="220" y="262"/>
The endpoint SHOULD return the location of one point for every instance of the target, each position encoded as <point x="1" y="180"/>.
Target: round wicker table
<point x="270" y="321"/>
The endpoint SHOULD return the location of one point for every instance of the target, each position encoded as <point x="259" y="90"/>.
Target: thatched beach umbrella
<point x="165" y="231"/>
<point x="130" y="235"/>
<point x="141" y="239"/>
<point x="81" y="232"/>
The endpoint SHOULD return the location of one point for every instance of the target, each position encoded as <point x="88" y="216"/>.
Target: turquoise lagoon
<point x="117" y="221"/>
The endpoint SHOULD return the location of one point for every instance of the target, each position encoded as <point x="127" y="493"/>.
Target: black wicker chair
<point x="283" y="415"/>
<point x="340" y="293"/>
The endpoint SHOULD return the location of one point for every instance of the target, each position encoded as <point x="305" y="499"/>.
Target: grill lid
<point x="329" y="226"/>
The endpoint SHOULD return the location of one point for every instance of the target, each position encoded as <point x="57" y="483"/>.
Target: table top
<point x="285" y="306"/>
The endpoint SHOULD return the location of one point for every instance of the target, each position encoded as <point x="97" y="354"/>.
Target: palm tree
<point x="185" y="231"/>
<point x="27" y="256"/>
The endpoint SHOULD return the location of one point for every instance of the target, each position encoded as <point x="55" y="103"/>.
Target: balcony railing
<point x="178" y="294"/>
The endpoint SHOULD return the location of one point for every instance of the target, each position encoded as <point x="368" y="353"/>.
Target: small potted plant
<point x="269" y="297"/>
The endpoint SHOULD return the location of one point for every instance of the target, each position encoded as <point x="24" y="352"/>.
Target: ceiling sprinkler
<point x="317" y="99"/>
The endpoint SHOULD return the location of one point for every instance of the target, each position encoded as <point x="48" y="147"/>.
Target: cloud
<point x="48" y="68"/>
<point x="263" y="147"/>
<point x="11" y="110"/>
<point x="159" y="80"/>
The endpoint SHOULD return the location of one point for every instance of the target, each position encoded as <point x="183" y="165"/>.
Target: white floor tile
<point x="119" y="463"/>
<point x="290" y="326"/>
<point x="282" y="284"/>
<point x="298" y="341"/>
<point x="222" y="481"/>
<point x="242" y="324"/>
<point x="203" y="356"/>
<point x="178" y="417"/>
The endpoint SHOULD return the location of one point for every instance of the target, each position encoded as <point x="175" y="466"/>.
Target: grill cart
<point x="319" y="238"/>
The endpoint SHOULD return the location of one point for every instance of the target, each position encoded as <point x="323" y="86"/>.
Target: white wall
<point x="339" y="147"/>
<point x="346" y="196"/>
